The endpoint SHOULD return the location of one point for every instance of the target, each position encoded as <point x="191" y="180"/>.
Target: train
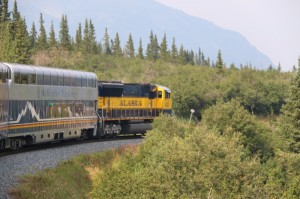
<point x="43" y="104"/>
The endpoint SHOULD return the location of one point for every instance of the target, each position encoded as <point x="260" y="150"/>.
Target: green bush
<point x="178" y="161"/>
<point x="232" y="118"/>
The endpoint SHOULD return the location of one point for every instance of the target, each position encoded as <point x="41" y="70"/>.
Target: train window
<point x="24" y="78"/>
<point x="17" y="78"/>
<point x="31" y="78"/>
<point x="47" y="80"/>
<point x="60" y="80"/>
<point x="78" y="81"/>
<point x="40" y="79"/>
<point x="84" y="81"/>
<point x="73" y="81"/>
<point x="67" y="80"/>
<point x="159" y="94"/>
<point x="54" y="79"/>
<point x="152" y="95"/>
<point x="167" y="95"/>
<point x="90" y="82"/>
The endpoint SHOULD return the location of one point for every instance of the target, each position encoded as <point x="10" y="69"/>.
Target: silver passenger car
<point x="40" y="104"/>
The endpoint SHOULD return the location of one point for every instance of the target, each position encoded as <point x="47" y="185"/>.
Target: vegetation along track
<point x="33" y="159"/>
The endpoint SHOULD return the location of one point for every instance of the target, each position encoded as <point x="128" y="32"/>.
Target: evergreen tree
<point x="5" y="14"/>
<point x="140" y="54"/>
<point x="198" y="57"/>
<point x="52" y="39"/>
<point x="219" y="63"/>
<point x="174" y="52"/>
<point x="181" y="56"/>
<point x="106" y="46"/>
<point x="164" y="54"/>
<point x="291" y="115"/>
<point x="78" y="38"/>
<point x="33" y="36"/>
<point x="86" y="37"/>
<point x="270" y="67"/>
<point x="279" y="67"/>
<point x="6" y="39"/>
<point x="152" y="51"/>
<point x="16" y="14"/>
<point x="203" y="61"/>
<point x="129" y="48"/>
<point x="64" y="37"/>
<point x="192" y="57"/>
<point x="117" y="50"/>
<point x="21" y="43"/>
<point x="112" y="46"/>
<point x="42" y="38"/>
<point x="155" y="48"/>
<point x="208" y="62"/>
<point x="92" y="38"/>
<point x="149" y="51"/>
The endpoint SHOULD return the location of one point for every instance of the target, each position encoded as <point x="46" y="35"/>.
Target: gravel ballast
<point x="14" y="166"/>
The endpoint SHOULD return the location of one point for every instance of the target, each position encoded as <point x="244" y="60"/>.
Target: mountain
<point x="139" y="17"/>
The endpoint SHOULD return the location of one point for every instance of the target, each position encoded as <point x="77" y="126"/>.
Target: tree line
<point x="17" y="44"/>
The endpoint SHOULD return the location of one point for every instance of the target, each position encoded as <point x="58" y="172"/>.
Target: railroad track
<point x="63" y="143"/>
<point x="30" y="160"/>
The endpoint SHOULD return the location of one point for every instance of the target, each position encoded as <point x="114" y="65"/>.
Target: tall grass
<point x="70" y="179"/>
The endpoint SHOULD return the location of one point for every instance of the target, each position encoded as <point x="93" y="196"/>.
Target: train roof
<point x="47" y="70"/>
<point x="164" y="88"/>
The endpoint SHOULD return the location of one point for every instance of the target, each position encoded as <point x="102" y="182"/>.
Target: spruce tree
<point x="42" y="38"/>
<point x="279" y="67"/>
<point x="117" y="51"/>
<point x="78" y="38"/>
<point x="6" y="42"/>
<point x="64" y="37"/>
<point x="21" y="43"/>
<point x="33" y="36"/>
<point x="149" y="51"/>
<point x="164" y="54"/>
<point x="219" y="63"/>
<point x="106" y="45"/>
<point x="92" y="38"/>
<point x="174" y="52"/>
<point x="291" y="115"/>
<point x="155" y="49"/>
<point x="16" y="14"/>
<point x="129" y="48"/>
<point x="52" y="38"/>
<point x="86" y="37"/>
<point x="181" y="56"/>
<point x="5" y="14"/>
<point x="140" y="54"/>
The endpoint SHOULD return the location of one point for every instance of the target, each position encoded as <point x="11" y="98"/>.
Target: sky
<point x="272" y="26"/>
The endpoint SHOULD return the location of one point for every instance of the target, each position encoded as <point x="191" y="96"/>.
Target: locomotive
<point x="42" y="104"/>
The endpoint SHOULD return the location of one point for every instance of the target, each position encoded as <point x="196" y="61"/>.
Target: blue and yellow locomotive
<point x="130" y="108"/>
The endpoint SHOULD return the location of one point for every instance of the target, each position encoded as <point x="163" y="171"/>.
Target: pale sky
<point x="272" y="26"/>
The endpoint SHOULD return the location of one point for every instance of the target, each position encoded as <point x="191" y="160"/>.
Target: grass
<point x="70" y="179"/>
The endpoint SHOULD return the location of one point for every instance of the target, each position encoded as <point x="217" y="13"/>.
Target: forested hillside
<point x="243" y="142"/>
<point x="197" y="81"/>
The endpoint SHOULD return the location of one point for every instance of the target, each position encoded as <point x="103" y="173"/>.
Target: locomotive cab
<point x="161" y="97"/>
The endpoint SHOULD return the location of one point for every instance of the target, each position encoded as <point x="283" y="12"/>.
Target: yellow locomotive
<point x="130" y="108"/>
